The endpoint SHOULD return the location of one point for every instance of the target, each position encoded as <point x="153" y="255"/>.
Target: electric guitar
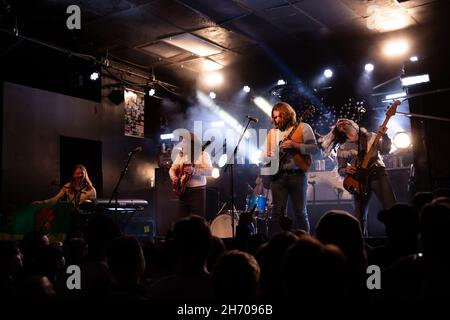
<point x="353" y="182"/>
<point x="179" y="187"/>
<point x="302" y="161"/>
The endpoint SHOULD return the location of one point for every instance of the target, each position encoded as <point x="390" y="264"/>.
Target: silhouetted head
<point x="401" y="222"/>
<point x="434" y="227"/>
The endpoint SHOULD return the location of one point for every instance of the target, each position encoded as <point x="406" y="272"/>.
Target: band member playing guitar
<point x="365" y="173"/>
<point x="188" y="174"/>
<point x="296" y="143"/>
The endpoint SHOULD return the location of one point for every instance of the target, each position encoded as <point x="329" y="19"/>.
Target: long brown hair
<point x="287" y="112"/>
<point x="87" y="181"/>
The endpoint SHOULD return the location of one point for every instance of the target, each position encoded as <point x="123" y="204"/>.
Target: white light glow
<point x="409" y="81"/>
<point x="396" y="48"/>
<point x="213" y="79"/>
<point x="263" y="105"/>
<point x="281" y="82"/>
<point x="328" y="73"/>
<point x="212" y="95"/>
<point x="167" y="136"/>
<point x="246" y="89"/>
<point x="151" y="92"/>
<point x="255" y="157"/>
<point x="401" y="140"/>
<point x="94" y="76"/>
<point x="369" y="67"/>
<point x="215" y="173"/>
<point x="222" y="160"/>
<point x="414" y="58"/>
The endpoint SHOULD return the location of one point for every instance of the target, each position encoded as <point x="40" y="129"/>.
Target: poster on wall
<point x="134" y="114"/>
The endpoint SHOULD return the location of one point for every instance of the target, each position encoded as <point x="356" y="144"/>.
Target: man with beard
<point x="295" y="142"/>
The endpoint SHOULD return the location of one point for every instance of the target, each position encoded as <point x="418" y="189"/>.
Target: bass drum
<point x="221" y="225"/>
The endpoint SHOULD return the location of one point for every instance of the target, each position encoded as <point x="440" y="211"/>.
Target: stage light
<point x="281" y="82"/>
<point x="246" y="89"/>
<point x="215" y="173"/>
<point x="413" y="59"/>
<point x="213" y="79"/>
<point x="166" y="136"/>
<point x="369" y="67"/>
<point x="222" y="160"/>
<point x="151" y="92"/>
<point x="328" y="73"/>
<point x="217" y="124"/>
<point x="94" y="76"/>
<point x="401" y="140"/>
<point x="409" y="81"/>
<point x="212" y="95"/>
<point x="396" y="48"/>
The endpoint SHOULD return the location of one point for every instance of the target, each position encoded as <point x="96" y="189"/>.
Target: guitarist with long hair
<point x="295" y="142"/>
<point x="188" y="174"/>
<point x="375" y="179"/>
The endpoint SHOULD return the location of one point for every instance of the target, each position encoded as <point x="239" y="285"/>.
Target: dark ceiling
<point x="294" y="34"/>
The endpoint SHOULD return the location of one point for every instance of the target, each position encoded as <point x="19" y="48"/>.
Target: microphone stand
<point x="115" y="192"/>
<point x="230" y="164"/>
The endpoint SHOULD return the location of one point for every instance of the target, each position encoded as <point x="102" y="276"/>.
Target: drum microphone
<point x="252" y="118"/>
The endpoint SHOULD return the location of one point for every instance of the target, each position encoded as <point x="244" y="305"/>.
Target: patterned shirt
<point x="348" y="152"/>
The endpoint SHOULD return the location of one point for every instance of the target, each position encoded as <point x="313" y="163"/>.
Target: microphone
<point x="207" y="143"/>
<point x="252" y="118"/>
<point x="361" y="110"/>
<point x="136" y="150"/>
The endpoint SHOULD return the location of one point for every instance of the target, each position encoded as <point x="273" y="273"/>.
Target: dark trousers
<point x="193" y="201"/>
<point x="293" y="185"/>
<point x="380" y="185"/>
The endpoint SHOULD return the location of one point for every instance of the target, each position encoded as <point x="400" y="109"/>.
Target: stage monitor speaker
<point x="166" y="203"/>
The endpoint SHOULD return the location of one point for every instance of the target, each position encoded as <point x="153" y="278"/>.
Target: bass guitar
<point x="357" y="183"/>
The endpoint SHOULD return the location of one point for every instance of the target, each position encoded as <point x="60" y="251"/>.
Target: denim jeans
<point x="293" y="185"/>
<point x="380" y="185"/>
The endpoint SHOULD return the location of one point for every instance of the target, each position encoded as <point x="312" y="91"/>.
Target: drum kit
<point x="221" y="225"/>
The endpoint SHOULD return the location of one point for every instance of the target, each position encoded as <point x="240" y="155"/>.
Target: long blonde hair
<point x="87" y="181"/>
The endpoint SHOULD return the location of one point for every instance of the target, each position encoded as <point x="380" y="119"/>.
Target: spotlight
<point x="215" y="173"/>
<point x="151" y="92"/>
<point x="264" y="105"/>
<point x="369" y="67"/>
<point x="396" y="48"/>
<point x="395" y="95"/>
<point x="328" y="73"/>
<point x="212" y="95"/>
<point x="222" y="160"/>
<point x="166" y="136"/>
<point x="246" y="89"/>
<point x="281" y="82"/>
<point x="94" y="76"/>
<point x="209" y="65"/>
<point x="401" y="140"/>
<point x="413" y="59"/>
<point x="409" y="81"/>
<point x="213" y="79"/>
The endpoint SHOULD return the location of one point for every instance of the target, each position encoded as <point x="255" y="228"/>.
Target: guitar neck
<point x="375" y="143"/>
